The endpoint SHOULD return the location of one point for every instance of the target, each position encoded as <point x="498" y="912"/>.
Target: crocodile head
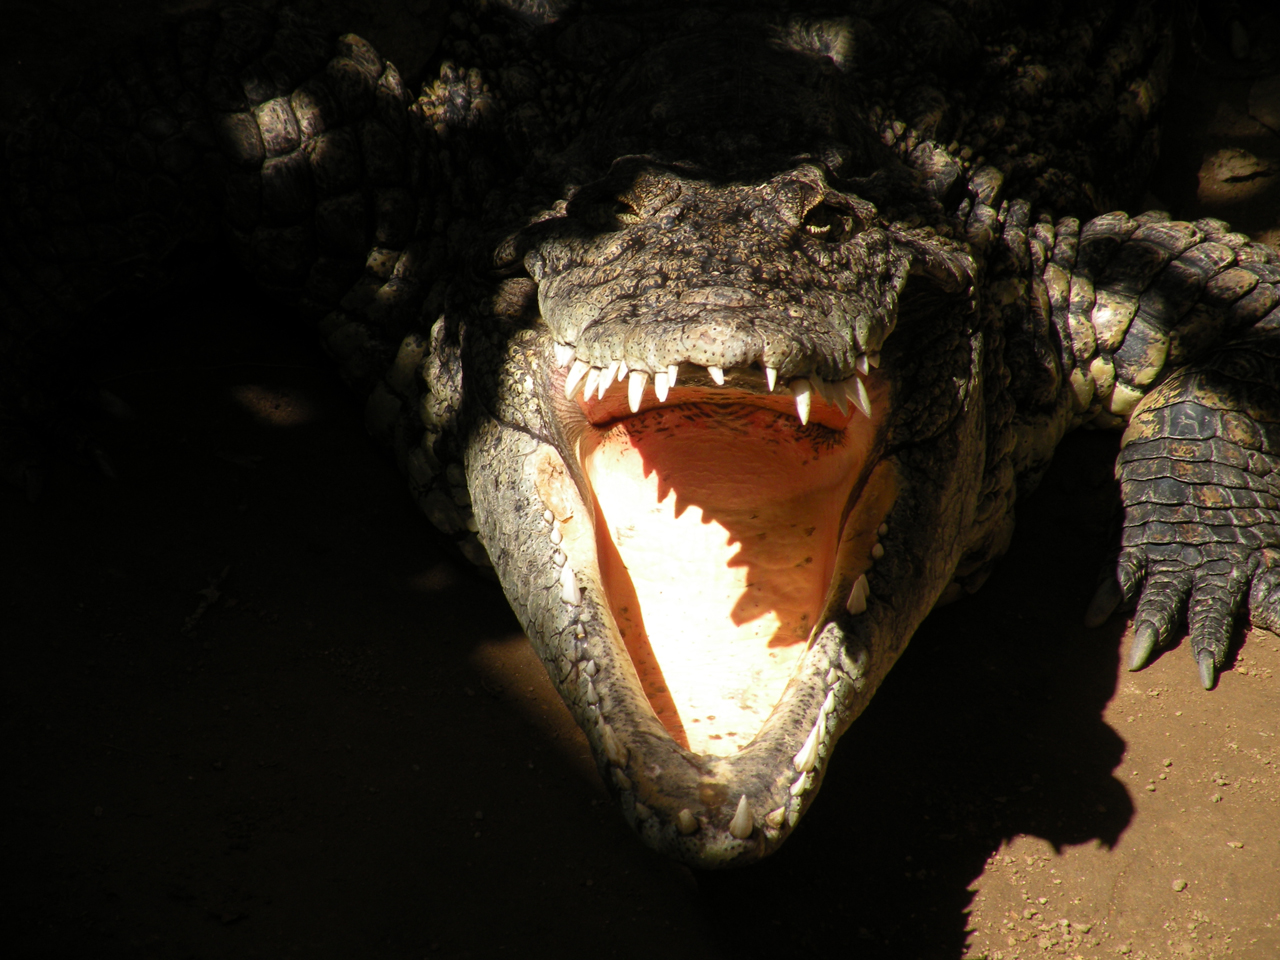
<point x="753" y="466"/>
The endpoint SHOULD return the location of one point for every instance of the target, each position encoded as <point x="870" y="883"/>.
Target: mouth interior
<point x="718" y="523"/>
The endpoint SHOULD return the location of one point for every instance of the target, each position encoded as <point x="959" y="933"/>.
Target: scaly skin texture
<point x="764" y="202"/>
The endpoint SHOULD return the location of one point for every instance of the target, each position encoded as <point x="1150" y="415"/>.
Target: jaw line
<point x="714" y="811"/>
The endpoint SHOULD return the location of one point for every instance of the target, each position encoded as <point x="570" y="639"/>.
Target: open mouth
<point x="722" y="503"/>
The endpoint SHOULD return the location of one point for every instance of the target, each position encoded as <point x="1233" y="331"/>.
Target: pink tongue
<point x="716" y="531"/>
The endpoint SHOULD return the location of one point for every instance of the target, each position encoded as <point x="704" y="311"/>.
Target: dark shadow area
<point x="990" y="726"/>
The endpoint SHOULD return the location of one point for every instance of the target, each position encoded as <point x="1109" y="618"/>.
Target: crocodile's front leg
<point x="1175" y="327"/>
<point x="1200" y="479"/>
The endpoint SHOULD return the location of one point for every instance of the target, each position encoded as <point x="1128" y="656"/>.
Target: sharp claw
<point x="1144" y="641"/>
<point x="1104" y="602"/>
<point x="1208" y="672"/>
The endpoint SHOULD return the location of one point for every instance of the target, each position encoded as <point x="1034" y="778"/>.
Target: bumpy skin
<point x="793" y="187"/>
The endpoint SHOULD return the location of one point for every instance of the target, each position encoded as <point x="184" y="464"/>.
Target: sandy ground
<point x="254" y="707"/>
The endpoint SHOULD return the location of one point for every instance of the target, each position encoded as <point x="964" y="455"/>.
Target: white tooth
<point x="686" y="822"/>
<point x="592" y="696"/>
<point x="620" y="779"/>
<point x="660" y="385"/>
<point x="622" y="370"/>
<point x="842" y="402"/>
<point x="802" y="784"/>
<point x="564" y="353"/>
<point x="858" y="594"/>
<point x="862" y="365"/>
<point x="592" y="382"/>
<point x="877" y="552"/>
<point x="642" y="812"/>
<point x="803" y="393"/>
<point x="574" y="377"/>
<point x="874" y="358"/>
<point x="635" y="389"/>
<point x="808" y="755"/>
<point x="607" y="379"/>
<point x="556" y="536"/>
<point x="742" y="823"/>
<point x="672" y="370"/>
<point x="829" y="704"/>
<point x="717" y="374"/>
<point x="771" y="377"/>
<point x="856" y="391"/>
<point x="613" y="747"/>
<point x="773" y="818"/>
<point x="569" y="591"/>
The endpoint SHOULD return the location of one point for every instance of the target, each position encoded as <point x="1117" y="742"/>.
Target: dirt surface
<point x="254" y="707"/>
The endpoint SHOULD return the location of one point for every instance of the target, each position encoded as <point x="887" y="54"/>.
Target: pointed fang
<point x="856" y="391"/>
<point x="804" y="397"/>
<point x="686" y="822"/>
<point x="660" y="386"/>
<point x="635" y="388"/>
<point x="672" y="370"/>
<point x="862" y="365"/>
<point x="592" y="382"/>
<point x="564" y="354"/>
<point x="717" y="374"/>
<point x="808" y="755"/>
<point x="838" y="395"/>
<point x="574" y="377"/>
<point x="858" y="596"/>
<point x="771" y="377"/>
<point x="569" y="591"/>
<point x="613" y="747"/>
<point x="742" y="823"/>
<point x="608" y="378"/>
<point x="622" y="370"/>
<point x="874" y="358"/>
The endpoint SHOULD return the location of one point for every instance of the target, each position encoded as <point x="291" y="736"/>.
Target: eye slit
<point x="625" y="212"/>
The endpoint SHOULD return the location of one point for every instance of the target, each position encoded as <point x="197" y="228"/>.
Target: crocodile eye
<point x="625" y="212"/>
<point x="829" y="224"/>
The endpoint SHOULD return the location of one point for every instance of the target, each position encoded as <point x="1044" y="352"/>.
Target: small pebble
<point x="1216" y="798"/>
<point x="1179" y="885"/>
<point x="1235" y="844"/>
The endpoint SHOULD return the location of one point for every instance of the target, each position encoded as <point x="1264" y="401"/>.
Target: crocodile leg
<point x="1200" y="479"/>
<point x="1197" y="468"/>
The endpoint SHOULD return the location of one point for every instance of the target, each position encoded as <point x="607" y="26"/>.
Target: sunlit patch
<point x="274" y="406"/>
<point x="718" y="527"/>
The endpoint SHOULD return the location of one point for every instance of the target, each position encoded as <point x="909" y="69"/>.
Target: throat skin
<point x="717" y="532"/>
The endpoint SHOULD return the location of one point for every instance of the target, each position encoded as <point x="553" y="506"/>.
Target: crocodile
<point x="726" y="336"/>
